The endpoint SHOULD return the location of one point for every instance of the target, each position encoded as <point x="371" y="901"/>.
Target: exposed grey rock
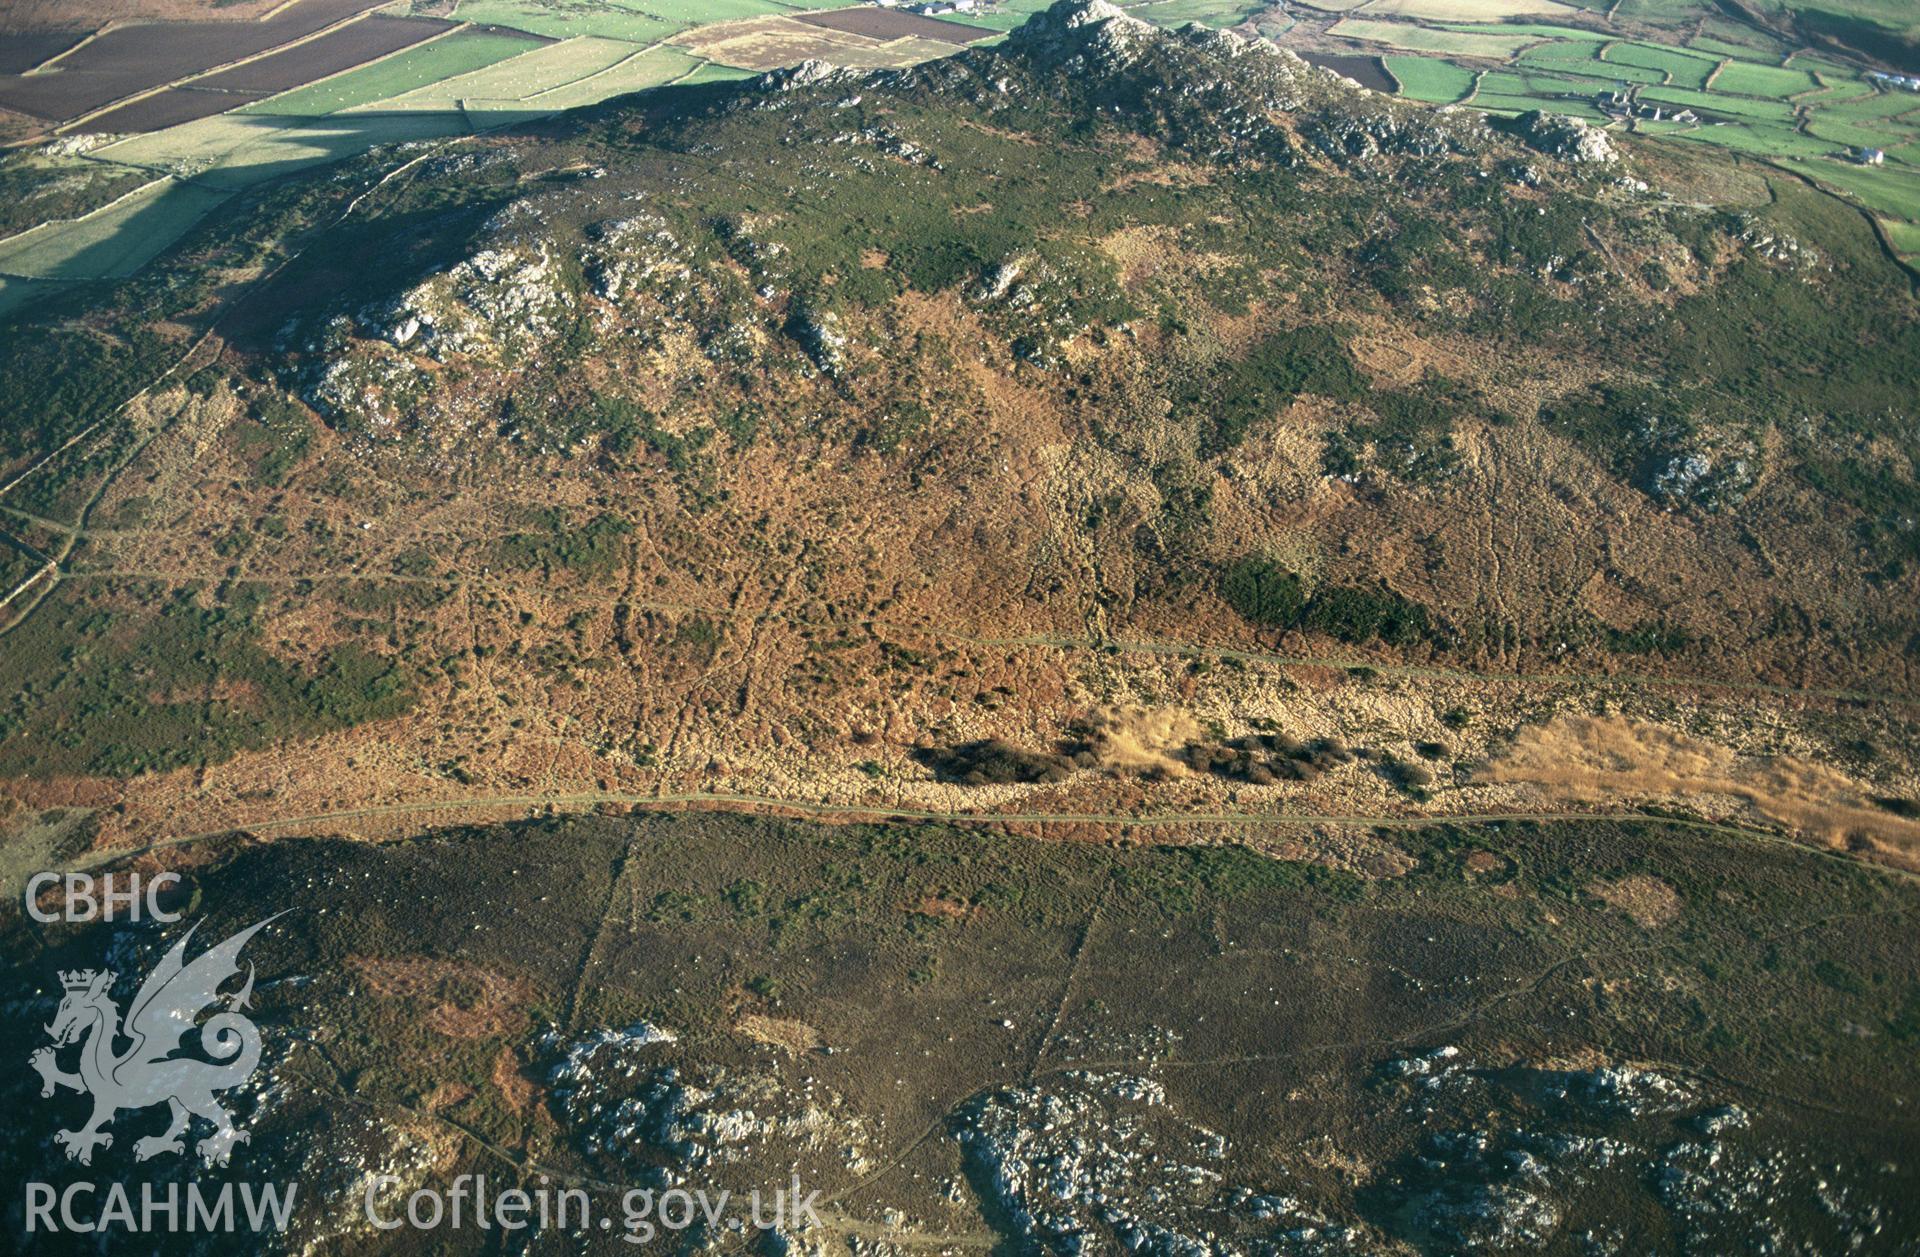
<point x="1569" y="139"/>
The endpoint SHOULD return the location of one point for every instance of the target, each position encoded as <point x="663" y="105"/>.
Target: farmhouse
<point x="1909" y="82"/>
<point x="1622" y="104"/>
<point x="1869" y="156"/>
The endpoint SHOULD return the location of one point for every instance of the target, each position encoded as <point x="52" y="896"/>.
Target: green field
<point x="1722" y="48"/>
<point x="1561" y="52"/>
<point x="1548" y="58"/>
<point x="1430" y="79"/>
<point x="1905" y="237"/>
<point x="650" y="67"/>
<point x="462" y="52"/>
<point x="236" y="151"/>
<point x="1424" y="39"/>
<point x="1682" y="69"/>
<point x="566" y="21"/>
<point x="543" y="69"/>
<point x="1537" y="31"/>
<point x="470" y="79"/>
<point x="1880" y="105"/>
<point x="1736" y="106"/>
<point x="1852" y="135"/>
<point x="1890" y="190"/>
<point x="1561" y="90"/>
<point x="714" y="72"/>
<point x="1751" y="107"/>
<point x="1833" y="90"/>
<point x="635" y="72"/>
<point x="1495" y="102"/>
<point x="1757" y="139"/>
<point x="113" y="240"/>
<point x="1206" y="12"/>
<point x="1742" y="78"/>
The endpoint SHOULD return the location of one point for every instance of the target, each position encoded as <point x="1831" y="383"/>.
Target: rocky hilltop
<point x="1110" y="419"/>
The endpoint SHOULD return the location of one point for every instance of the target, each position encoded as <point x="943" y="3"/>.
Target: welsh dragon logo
<point x="148" y="1072"/>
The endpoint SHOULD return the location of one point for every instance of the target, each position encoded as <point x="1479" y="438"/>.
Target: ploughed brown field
<point x="329" y="54"/>
<point x="20" y="51"/>
<point x="134" y="59"/>
<point x="893" y="24"/>
<point x="170" y="108"/>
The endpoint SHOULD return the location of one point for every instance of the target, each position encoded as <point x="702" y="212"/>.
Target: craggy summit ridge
<point x="1241" y="105"/>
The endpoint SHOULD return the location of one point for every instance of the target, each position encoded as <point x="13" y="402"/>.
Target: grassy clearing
<point x="652" y="67"/>
<point x="1421" y="39"/>
<point x="1430" y="79"/>
<point x="1584" y="59"/>
<point x="1742" y="78"/>
<point x="459" y="53"/>
<point x="111" y="241"/>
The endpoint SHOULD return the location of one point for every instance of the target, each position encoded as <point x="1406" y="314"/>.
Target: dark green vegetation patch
<point x="109" y="687"/>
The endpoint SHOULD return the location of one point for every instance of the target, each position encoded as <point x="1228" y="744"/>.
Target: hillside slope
<point x="789" y="439"/>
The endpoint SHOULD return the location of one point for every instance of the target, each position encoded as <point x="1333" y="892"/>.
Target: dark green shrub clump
<point x="1239" y="394"/>
<point x="1264" y="592"/>
<point x="1268" y="594"/>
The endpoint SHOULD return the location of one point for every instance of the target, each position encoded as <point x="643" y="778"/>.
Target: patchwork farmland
<point x="1685" y="72"/>
<point x="164" y="119"/>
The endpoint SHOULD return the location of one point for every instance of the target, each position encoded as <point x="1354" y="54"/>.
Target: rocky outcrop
<point x="1569" y="139"/>
<point x="1101" y="1162"/>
